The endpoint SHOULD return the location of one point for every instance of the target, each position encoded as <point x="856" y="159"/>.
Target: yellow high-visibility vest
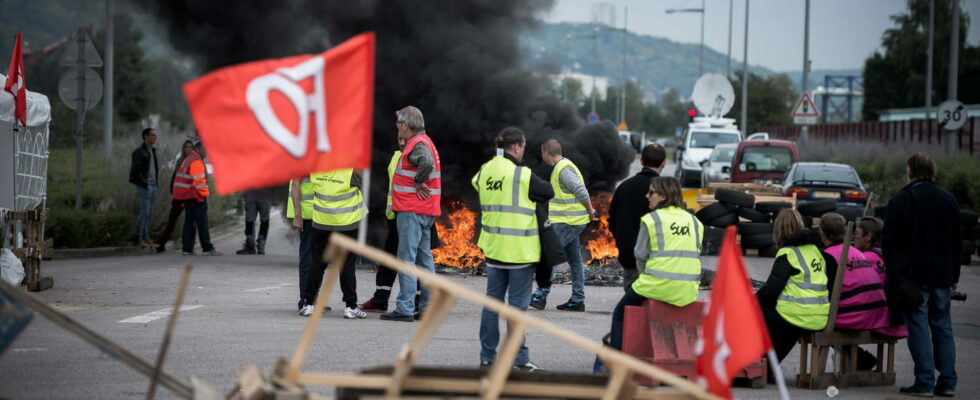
<point x="305" y="199"/>
<point x="391" y="173"/>
<point x="804" y="301"/>
<point x="672" y="272"/>
<point x="510" y="227"/>
<point x="335" y="202"/>
<point x="564" y="208"/>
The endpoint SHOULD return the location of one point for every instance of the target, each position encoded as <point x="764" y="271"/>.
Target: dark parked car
<point x="815" y="181"/>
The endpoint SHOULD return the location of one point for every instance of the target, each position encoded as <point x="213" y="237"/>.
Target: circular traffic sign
<point x="951" y="115"/>
<point x="70" y="83"/>
<point x="592" y="118"/>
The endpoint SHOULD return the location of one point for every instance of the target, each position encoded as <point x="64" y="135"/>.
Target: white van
<point x="700" y="139"/>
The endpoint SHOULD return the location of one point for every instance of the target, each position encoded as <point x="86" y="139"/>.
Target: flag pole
<point x="774" y="363"/>
<point x="362" y="227"/>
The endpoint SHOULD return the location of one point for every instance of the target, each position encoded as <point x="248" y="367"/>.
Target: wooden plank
<point x="493" y="383"/>
<point x="839" y="278"/>
<point x="171" y="324"/>
<point x="333" y="275"/>
<point x="440" y="305"/>
<point x="620" y="385"/>
<point x="251" y="382"/>
<point x="469" y="386"/>
<point x="838" y="338"/>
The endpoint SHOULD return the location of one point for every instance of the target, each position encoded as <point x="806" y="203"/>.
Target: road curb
<point x="64" y="254"/>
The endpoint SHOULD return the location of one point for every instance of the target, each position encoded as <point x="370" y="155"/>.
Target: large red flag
<point x="15" y="83"/>
<point x="266" y="122"/>
<point x="733" y="332"/>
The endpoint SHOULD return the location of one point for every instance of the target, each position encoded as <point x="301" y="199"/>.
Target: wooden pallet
<point x="29" y="224"/>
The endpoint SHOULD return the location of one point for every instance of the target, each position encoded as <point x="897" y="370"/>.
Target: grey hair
<point x="412" y="116"/>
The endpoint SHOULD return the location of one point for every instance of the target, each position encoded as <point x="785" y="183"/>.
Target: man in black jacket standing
<point x="143" y="174"/>
<point x="629" y="204"/>
<point x="921" y="243"/>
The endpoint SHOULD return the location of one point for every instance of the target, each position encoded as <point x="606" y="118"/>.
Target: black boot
<point x="263" y="232"/>
<point x="247" y="248"/>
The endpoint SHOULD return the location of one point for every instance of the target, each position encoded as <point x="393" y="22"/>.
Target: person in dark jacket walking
<point x="143" y="173"/>
<point x="629" y="204"/>
<point x="921" y="243"/>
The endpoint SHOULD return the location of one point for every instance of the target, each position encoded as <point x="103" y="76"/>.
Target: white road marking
<point x="29" y="350"/>
<point x="153" y="316"/>
<point x="265" y="288"/>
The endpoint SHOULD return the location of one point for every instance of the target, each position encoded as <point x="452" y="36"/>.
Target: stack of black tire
<point x="731" y="206"/>
<point x="815" y="209"/>
<point x="971" y="233"/>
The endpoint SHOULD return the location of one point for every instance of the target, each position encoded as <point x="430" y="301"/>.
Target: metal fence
<point x="921" y="131"/>
<point x="31" y="164"/>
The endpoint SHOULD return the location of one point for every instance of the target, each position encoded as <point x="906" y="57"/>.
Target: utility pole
<point x="695" y="10"/>
<point x="728" y="65"/>
<point x="79" y="115"/>
<point x="804" y="131"/>
<point x="954" y="59"/>
<point x="622" y="110"/>
<point x="595" y="66"/>
<point x="107" y="101"/>
<point x="932" y="18"/>
<point x="745" y="75"/>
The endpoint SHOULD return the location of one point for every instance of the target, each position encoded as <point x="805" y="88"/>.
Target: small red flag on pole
<point x="734" y="332"/>
<point x="15" y="83"/>
<point x="266" y="122"/>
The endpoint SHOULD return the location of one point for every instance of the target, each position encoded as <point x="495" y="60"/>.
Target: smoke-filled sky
<point x="842" y="32"/>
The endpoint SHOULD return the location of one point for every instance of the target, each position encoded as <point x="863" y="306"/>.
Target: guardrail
<point x="922" y="131"/>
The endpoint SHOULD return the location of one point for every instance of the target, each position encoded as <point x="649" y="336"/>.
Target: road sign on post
<point x="951" y="116"/>
<point x="80" y="88"/>
<point x="805" y="111"/>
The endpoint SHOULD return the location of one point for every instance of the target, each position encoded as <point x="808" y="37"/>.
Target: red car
<point x="763" y="161"/>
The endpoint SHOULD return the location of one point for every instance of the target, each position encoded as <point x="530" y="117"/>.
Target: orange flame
<point x="458" y="237"/>
<point x="599" y="240"/>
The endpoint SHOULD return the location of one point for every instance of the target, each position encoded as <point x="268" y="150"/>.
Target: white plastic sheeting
<point x="23" y="152"/>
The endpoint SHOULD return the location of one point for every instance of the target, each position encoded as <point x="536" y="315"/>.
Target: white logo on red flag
<point x="285" y="80"/>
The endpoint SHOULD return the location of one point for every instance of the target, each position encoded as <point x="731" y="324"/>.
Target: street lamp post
<point x="695" y="10"/>
<point x="595" y="58"/>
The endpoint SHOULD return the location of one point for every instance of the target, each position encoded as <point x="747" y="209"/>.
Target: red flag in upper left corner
<point x="15" y="83"/>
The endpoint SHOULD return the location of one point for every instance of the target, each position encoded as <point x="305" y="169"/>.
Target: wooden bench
<point x="815" y="347"/>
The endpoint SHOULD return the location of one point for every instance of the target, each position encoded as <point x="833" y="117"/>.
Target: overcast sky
<point x="842" y="32"/>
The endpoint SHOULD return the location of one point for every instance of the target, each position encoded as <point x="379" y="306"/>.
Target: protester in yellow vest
<point x="299" y="209"/>
<point x="668" y="254"/>
<point x="509" y="236"/>
<point x="569" y="212"/>
<point x="795" y="299"/>
<point x="338" y="207"/>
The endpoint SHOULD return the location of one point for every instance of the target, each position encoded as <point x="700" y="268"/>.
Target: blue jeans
<point x="938" y="350"/>
<point x="414" y="241"/>
<point x="144" y="195"/>
<point x="516" y="283"/>
<point x="568" y="235"/>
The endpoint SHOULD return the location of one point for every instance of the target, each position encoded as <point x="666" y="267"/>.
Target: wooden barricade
<point x="29" y="225"/>
<point x="815" y="347"/>
<point x="402" y="379"/>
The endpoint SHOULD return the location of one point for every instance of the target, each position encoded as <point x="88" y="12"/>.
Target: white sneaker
<point x="354" y="313"/>
<point x="306" y="311"/>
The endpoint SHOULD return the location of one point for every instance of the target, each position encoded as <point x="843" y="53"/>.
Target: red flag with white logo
<point x="15" y="83"/>
<point x="733" y="331"/>
<point x="265" y="122"/>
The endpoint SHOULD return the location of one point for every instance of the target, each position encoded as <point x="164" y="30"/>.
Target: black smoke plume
<point x="456" y="60"/>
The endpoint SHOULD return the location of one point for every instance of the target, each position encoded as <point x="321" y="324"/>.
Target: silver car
<point x="718" y="166"/>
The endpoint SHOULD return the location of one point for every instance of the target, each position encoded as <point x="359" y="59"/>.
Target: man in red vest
<point x="191" y="185"/>
<point x="416" y="188"/>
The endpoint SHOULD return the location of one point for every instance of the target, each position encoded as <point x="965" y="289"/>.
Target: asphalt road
<point x="242" y="310"/>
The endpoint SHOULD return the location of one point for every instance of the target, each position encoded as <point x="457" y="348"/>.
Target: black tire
<point x="754" y="228"/>
<point x="768" y="251"/>
<point x="756" y="241"/>
<point x="713" y="211"/>
<point x="723" y="221"/>
<point x="807" y="221"/>
<point x="734" y="197"/>
<point x="851" y="213"/>
<point x="752" y="215"/>
<point x="712" y="241"/>
<point x="817" y="208"/>
<point x="972" y="233"/>
<point x="772" y="207"/>
<point x="968" y="218"/>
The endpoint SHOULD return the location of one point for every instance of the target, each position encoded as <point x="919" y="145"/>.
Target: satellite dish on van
<point x="713" y="95"/>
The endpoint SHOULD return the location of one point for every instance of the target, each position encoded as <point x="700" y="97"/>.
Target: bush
<point x="83" y="228"/>
<point x="885" y="175"/>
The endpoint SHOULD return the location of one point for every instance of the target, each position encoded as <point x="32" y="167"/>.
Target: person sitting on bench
<point x="667" y="251"/>
<point x="867" y="239"/>
<point x="795" y="299"/>
<point x="862" y="296"/>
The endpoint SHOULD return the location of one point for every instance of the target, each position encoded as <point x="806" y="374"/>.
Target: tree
<point x="896" y="76"/>
<point x="770" y="101"/>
